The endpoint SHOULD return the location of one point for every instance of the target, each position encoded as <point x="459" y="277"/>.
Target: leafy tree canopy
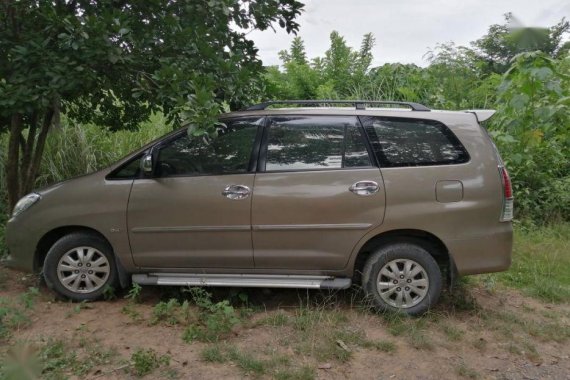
<point x="114" y="62"/>
<point x="503" y="41"/>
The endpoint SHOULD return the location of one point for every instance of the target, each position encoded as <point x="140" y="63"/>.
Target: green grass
<point x="248" y="363"/>
<point x="15" y="312"/>
<point x="541" y="263"/>
<point x="146" y="361"/>
<point x="54" y="359"/>
<point x="453" y="333"/>
<point x="213" y="354"/>
<point x="277" y="319"/>
<point x="272" y="363"/>
<point x="303" y="373"/>
<point x="381" y="345"/>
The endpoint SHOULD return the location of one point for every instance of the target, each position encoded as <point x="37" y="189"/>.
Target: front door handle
<point x="364" y="188"/>
<point x="236" y="192"/>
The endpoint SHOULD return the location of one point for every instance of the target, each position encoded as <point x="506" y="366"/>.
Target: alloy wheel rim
<point x="402" y="283"/>
<point x="83" y="270"/>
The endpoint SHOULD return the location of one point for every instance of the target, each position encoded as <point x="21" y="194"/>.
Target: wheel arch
<point x="50" y="237"/>
<point x="424" y="239"/>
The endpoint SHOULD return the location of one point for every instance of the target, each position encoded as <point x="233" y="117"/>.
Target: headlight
<point x="25" y="203"/>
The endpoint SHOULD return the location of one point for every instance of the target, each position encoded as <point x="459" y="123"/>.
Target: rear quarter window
<point x="399" y="142"/>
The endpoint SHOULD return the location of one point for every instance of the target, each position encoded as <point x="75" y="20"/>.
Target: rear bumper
<point x="21" y="247"/>
<point x="483" y="254"/>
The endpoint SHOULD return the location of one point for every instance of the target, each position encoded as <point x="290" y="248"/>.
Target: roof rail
<point x="359" y="104"/>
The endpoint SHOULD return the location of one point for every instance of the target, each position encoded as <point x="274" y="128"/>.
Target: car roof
<point x="351" y="111"/>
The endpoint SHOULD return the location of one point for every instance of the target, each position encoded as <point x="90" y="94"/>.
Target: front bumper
<point x="21" y="247"/>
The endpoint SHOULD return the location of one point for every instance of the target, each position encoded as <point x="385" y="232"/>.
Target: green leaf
<point x="519" y="101"/>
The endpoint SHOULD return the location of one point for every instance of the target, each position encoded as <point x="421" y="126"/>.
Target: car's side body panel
<point x="310" y="219"/>
<point x="186" y="222"/>
<point x="89" y="201"/>
<point x="469" y="228"/>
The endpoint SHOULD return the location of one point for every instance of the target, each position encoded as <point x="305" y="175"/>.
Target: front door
<point x="196" y="210"/>
<point x="316" y="195"/>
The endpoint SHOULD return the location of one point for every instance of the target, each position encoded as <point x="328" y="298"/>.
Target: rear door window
<point x="401" y="142"/>
<point x="296" y="143"/>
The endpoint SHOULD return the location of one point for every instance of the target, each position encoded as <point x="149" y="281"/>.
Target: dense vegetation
<point x="523" y="73"/>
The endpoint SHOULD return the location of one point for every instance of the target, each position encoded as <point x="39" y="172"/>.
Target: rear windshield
<point x="401" y="142"/>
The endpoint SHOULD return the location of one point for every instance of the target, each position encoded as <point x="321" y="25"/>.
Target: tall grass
<point x="77" y="149"/>
<point x="541" y="263"/>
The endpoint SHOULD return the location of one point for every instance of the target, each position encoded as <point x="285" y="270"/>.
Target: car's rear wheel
<point x="402" y="277"/>
<point x="80" y="267"/>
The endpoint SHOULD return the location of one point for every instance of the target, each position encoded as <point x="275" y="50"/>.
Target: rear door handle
<point x="236" y="192"/>
<point x="364" y="188"/>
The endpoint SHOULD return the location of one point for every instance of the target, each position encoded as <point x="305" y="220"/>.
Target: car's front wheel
<point x="402" y="277"/>
<point x="80" y="266"/>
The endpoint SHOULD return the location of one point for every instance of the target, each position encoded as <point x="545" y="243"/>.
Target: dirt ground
<point x="287" y="334"/>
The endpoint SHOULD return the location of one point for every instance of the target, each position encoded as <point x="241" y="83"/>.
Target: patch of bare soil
<point x="288" y="334"/>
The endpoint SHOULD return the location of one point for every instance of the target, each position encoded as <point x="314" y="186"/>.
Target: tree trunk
<point x="13" y="161"/>
<point x="25" y="153"/>
<point x="34" y="166"/>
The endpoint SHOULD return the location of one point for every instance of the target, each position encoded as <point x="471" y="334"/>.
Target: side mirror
<point x="146" y="164"/>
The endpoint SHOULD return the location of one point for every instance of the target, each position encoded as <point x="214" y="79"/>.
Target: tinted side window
<point x="412" y="142"/>
<point x="313" y="143"/>
<point x="355" y="153"/>
<point x="130" y="170"/>
<point x="230" y="152"/>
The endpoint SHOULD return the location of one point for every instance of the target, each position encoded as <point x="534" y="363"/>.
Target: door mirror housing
<point x="146" y="164"/>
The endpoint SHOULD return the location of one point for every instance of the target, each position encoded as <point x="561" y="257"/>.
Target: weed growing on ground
<point x="248" y="363"/>
<point x="453" y="333"/>
<point x="15" y="315"/>
<point x="146" y="361"/>
<point x="130" y="311"/>
<point x="303" y="373"/>
<point x="76" y="308"/>
<point x="171" y="312"/>
<point x="277" y="319"/>
<point x="381" y="345"/>
<point x="56" y="360"/>
<point x="213" y="354"/>
<point x="216" y="320"/>
<point x="28" y="298"/>
<point x="109" y="293"/>
<point x="273" y="364"/>
<point x="134" y="294"/>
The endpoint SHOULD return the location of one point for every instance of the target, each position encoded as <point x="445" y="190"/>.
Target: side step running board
<point x="243" y="280"/>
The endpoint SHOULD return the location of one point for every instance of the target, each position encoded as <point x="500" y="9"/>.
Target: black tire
<point x="69" y="243"/>
<point x="402" y="251"/>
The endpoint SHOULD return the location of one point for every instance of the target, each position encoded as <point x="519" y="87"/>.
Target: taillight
<point x="508" y="200"/>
